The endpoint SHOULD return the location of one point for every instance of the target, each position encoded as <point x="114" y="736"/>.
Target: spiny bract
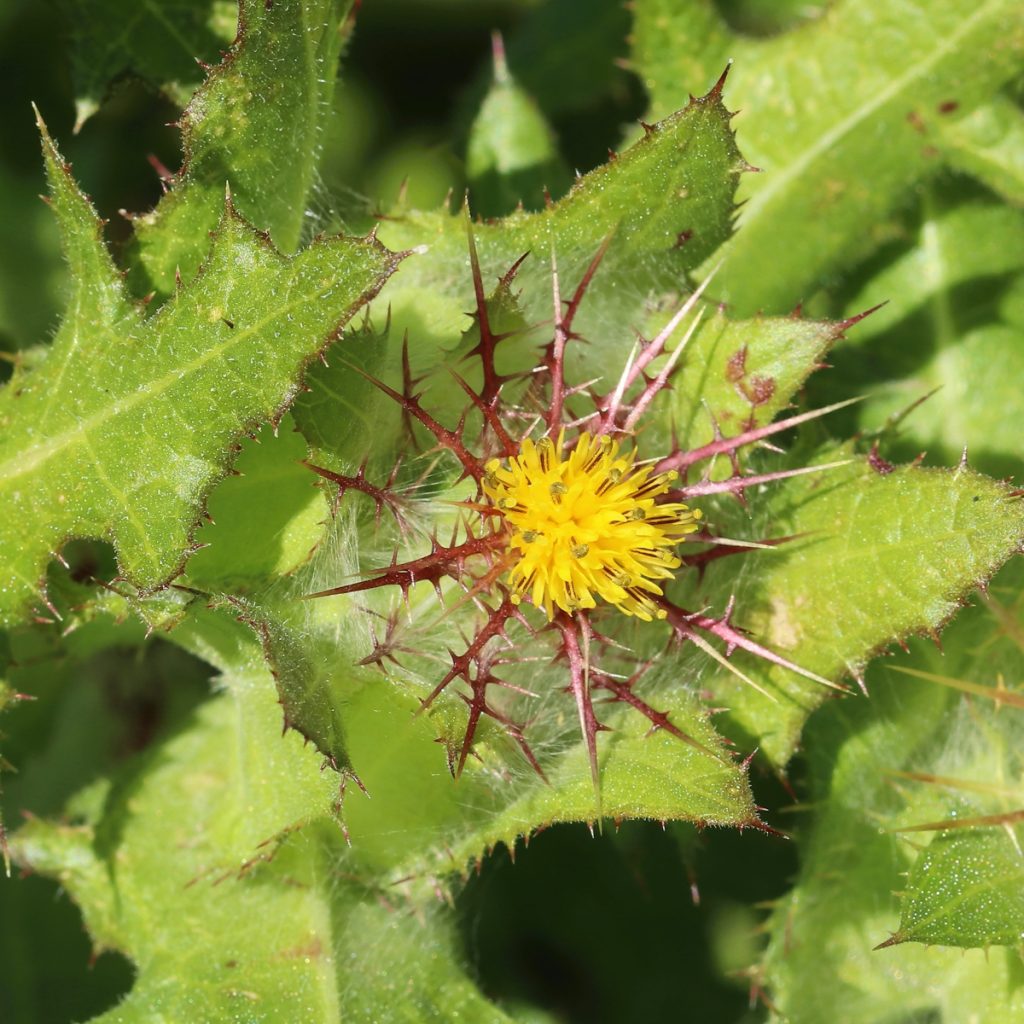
<point x="566" y="520"/>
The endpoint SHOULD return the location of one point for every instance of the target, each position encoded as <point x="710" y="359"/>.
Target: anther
<point x="556" y="490"/>
<point x="529" y="536"/>
<point x="581" y="551"/>
<point x="545" y="446"/>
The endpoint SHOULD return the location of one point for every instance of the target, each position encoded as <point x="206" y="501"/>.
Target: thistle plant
<point x="353" y="538"/>
<point x="565" y="518"/>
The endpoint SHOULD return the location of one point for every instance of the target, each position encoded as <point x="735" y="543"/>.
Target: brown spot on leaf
<point x="881" y="466"/>
<point x="757" y="389"/>
<point x="311" y="950"/>
<point x="683" y="237"/>
<point x="736" y="368"/>
<point x="915" y="121"/>
<point x="948" y="106"/>
<point x="760" y="390"/>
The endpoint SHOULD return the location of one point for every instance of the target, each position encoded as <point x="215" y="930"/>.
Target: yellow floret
<point x="586" y="526"/>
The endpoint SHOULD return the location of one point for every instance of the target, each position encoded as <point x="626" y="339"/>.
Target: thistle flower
<point x="587" y="526"/>
<point x="567" y="522"/>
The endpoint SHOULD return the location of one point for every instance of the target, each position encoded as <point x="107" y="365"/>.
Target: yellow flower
<point x="586" y="525"/>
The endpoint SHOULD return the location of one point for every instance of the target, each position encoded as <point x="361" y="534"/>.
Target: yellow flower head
<point x="586" y="526"/>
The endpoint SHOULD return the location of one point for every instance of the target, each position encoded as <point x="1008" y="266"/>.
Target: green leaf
<point x="124" y="427"/>
<point x="159" y="40"/>
<point x="511" y="156"/>
<point x="989" y="143"/>
<point x="266" y="520"/>
<point x="452" y="823"/>
<point x="967" y="889"/>
<point x="954" y="331"/>
<point x="323" y="653"/>
<point x="172" y="866"/>
<point x="342" y="408"/>
<point x="685" y="170"/>
<point x="815" y="102"/>
<point x="743" y="373"/>
<point x="878" y="556"/>
<point x="65" y="735"/>
<point x="367" y="724"/>
<point x="253" y="127"/>
<point x="911" y="754"/>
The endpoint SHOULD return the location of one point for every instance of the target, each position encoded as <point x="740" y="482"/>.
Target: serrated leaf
<point x="367" y="724"/>
<point x="815" y="101"/>
<point x="686" y="169"/>
<point x="265" y="522"/>
<point x="169" y="866"/>
<point x="967" y="889"/>
<point x="882" y="764"/>
<point x="879" y="556"/>
<point x="159" y="40"/>
<point x="511" y="155"/>
<point x="454" y="823"/>
<point x="253" y="127"/>
<point x="325" y="656"/>
<point x="741" y="374"/>
<point x="124" y="427"/>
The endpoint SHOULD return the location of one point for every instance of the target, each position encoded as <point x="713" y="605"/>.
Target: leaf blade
<point x="134" y="461"/>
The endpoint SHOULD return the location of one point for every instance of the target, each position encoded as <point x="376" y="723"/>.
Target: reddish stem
<point x="571" y="628"/>
<point x="681" y="460"/>
<point x="442" y="561"/>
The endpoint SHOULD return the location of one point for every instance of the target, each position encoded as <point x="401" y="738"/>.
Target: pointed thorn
<point x="844" y="325"/>
<point x="716" y="89"/>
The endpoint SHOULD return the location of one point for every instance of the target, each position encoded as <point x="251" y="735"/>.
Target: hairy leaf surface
<point x="967" y="889"/>
<point x="254" y="126"/>
<point x="367" y="724"/>
<point x="878" y="556"/>
<point x="123" y="428"/>
<point x="914" y="753"/>
<point x="172" y="865"/>
<point x="816" y="100"/>
<point x="686" y="170"/>
<point x="741" y="374"/>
